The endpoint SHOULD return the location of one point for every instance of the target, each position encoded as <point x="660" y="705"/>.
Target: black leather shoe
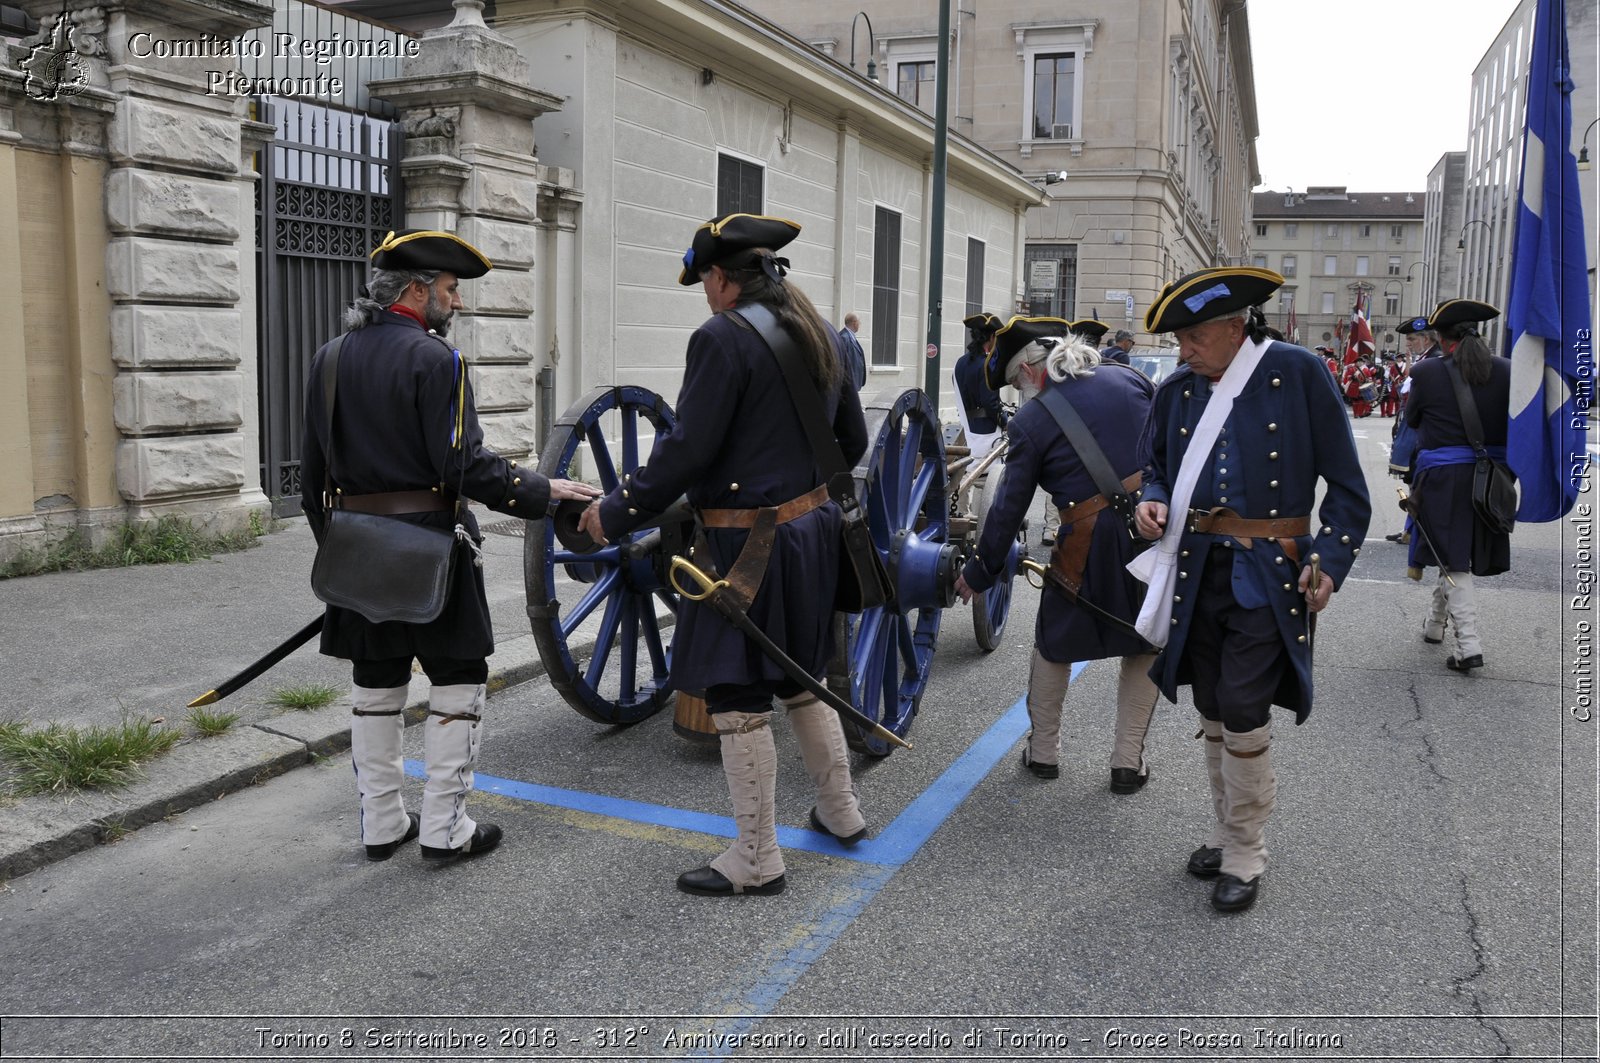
<point x="1464" y="664"/>
<point x="818" y="826"/>
<point x="387" y="849"/>
<point x="1047" y="540"/>
<point x="709" y="882"/>
<point x="1205" y="862"/>
<point x="1398" y="538"/>
<point x="483" y="840"/>
<point x="1043" y="771"/>
<point x="1234" y="894"/>
<point x="1431" y="642"/>
<point x="1127" y="781"/>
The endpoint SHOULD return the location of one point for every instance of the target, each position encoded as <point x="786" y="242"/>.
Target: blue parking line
<point x="890" y="847"/>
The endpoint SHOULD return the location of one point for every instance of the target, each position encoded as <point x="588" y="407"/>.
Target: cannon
<point x="601" y="618"/>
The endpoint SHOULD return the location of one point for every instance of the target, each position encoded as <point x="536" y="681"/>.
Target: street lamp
<point x="1583" y="149"/>
<point x="872" y="50"/>
<point x="1415" y="264"/>
<point x="1461" y="241"/>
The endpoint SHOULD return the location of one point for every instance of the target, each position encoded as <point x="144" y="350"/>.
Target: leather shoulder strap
<point x="1469" y="408"/>
<point x="802" y="389"/>
<point x="1083" y="441"/>
<point x="330" y="381"/>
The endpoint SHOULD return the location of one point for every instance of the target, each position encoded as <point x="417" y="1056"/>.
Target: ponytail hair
<point x="760" y="279"/>
<point x="1471" y="355"/>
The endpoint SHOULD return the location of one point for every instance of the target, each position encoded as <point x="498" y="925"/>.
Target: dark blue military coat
<point x="1443" y="494"/>
<point x="739" y="444"/>
<point x="1287" y="429"/>
<point x="392" y="431"/>
<point x="1113" y="401"/>
<point x="985" y="412"/>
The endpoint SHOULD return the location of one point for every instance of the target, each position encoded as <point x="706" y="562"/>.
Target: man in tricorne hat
<point x="742" y="454"/>
<point x="1085" y="614"/>
<point x="983" y="416"/>
<point x="405" y="443"/>
<point x="1237" y="439"/>
<point x="1453" y="534"/>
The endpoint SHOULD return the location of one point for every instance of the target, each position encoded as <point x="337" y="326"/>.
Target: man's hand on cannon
<point x="963" y="590"/>
<point x="589" y="523"/>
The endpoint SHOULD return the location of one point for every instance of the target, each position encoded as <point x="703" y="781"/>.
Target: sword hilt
<point x="1033" y="568"/>
<point x="707" y="585"/>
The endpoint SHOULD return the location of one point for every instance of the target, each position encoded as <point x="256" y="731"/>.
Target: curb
<point x="38" y="831"/>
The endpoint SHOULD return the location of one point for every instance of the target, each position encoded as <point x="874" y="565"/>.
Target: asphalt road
<point x="1431" y="892"/>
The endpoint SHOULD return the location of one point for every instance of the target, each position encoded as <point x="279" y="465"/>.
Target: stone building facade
<point x="1330" y="243"/>
<point x="137" y="317"/>
<point x="1148" y="108"/>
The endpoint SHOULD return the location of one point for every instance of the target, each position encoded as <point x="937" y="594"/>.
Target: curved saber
<point x="1411" y="508"/>
<point x="273" y="656"/>
<point x="716" y="593"/>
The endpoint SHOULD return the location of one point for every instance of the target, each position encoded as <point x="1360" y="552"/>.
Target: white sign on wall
<point x="1044" y="275"/>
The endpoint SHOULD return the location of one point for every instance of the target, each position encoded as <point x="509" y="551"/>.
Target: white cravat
<point x="1158" y="567"/>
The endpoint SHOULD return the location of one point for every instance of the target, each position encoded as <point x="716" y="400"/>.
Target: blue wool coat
<point x="1443" y="495"/>
<point x="1113" y="401"/>
<point x="391" y="432"/>
<point x="985" y="412"/>
<point x="739" y="444"/>
<point x="1286" y="431"/>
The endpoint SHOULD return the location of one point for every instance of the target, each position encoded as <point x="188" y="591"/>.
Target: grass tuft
<point x="211" y="722"/>
<point x="56" y="759"/>
<point x="310" y="696"/>
<point x="168" y="539"/>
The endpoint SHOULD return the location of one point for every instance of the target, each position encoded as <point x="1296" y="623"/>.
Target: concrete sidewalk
<point x="94" y="648"/>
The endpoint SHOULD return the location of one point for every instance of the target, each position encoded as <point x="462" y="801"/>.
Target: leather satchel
<point x="863" y="580"/>
<point x="384" y="568"/>
<point x="1494" y="485"/>
<point x="381" y="567"/>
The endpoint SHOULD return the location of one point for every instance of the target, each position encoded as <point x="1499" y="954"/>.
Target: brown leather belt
<point x="390" y="503"/>
<point x="1084" y="510"/>
<point x="746" y="518"/>
<point x="1224" y="521"/>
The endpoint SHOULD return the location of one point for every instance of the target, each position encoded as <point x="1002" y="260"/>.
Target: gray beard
<point x="1026" y="391"/>
<point x="436" y="317"/>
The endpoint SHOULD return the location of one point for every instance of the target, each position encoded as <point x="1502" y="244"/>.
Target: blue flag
<point x="1548" y="320"/>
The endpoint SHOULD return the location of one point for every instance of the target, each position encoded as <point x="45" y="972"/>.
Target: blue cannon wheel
<point x="991" y="607"/>
<point x="902" y="483"/>
<point x="594" y="615"/>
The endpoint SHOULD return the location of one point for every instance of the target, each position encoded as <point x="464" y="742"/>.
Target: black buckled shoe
<point x="709" y="882"/>
<point x="1234" y="894"/>
<point x="1127" y="781"/>
<point x="484" y="839"/>
<point x="387" y="849"/>
<point x="1205" y="862"/>
<point x="1464" y="664"/>
<point x="1043" y="771"/>
<point x="843" y="839"/>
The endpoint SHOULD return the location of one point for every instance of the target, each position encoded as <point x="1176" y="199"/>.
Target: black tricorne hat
<point x="1011" y="339"/>
<point x="431" y="251"/>
<point x="1460" y="312"/>
<point x="983" y="323"/>
<point x="1089" y="330"/>
<point x="720" y="240"/>
<point x="1209" y="293"/>
<point x="1415" y="324"/>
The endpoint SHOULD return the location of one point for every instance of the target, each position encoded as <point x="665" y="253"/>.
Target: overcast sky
<point x="1365" y="93"/>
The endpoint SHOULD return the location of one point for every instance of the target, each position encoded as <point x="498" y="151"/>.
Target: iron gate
<point x="329" y="190"/>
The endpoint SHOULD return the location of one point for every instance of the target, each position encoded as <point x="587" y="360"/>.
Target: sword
<point x="294" y="642"/>
<point x="715" y="592"/>
<point x="1405" y="504"/>
<point x="1315" y="584"/>
<point x="1034" y="568"/>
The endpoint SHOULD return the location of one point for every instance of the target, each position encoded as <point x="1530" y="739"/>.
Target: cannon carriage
<point x="601" y="617"/>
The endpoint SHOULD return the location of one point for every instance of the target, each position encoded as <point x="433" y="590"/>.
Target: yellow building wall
<point x="44" y="331"/>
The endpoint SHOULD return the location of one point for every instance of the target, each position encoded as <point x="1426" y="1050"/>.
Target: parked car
<point x="1154" y="362"/>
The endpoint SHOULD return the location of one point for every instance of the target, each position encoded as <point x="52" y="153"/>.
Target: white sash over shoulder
<point x="1158" y="567"/>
